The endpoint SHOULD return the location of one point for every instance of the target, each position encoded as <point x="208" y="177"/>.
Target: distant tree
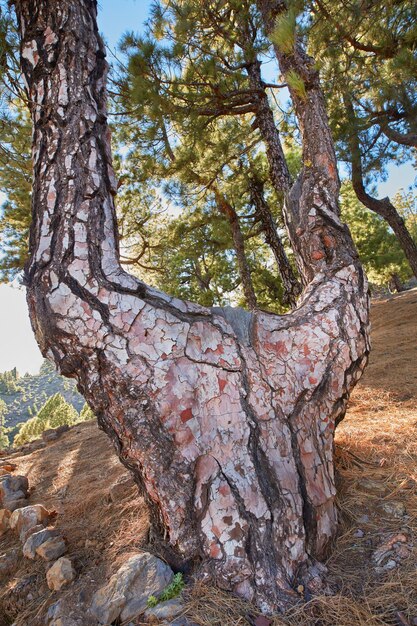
<point x="86" y="414"/>
<point x="55" y="412"/>
<point x="15" y="182"/>
<point x="8" y="383"/>
<point x="379" y="249"/>
<point x="4" y="440"/>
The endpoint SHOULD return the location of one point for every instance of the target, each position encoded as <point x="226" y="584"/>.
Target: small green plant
<point x="171" y="591"/>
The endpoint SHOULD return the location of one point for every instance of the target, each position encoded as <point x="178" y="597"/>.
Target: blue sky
<point x="17" y="345"/>
<point x="115" y="17"/>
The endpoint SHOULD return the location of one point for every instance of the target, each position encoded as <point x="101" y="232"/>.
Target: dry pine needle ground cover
<point x="376" y="460"/>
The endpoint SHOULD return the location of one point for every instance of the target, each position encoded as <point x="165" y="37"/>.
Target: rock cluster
<point x="126" y="594"/>
<point x="32" y="524"/>
<point x="392" y="549"/>
<point x="13" y="491"/>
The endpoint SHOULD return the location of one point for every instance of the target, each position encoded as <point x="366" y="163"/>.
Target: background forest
<point x="199" y="214"/>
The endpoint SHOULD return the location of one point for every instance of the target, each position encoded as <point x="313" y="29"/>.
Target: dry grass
<point x="376" y="454"/>
<point x="73" y="476"/>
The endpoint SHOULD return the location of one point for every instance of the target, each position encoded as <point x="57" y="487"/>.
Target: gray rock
<point x="51" y="434"/>
<point x="372" y="486"/>
<point x="19" y="503"/>
<point x="388" y="566"/>
<point x="394" y="508"/>
<point x="165" y="610"/>
<point x="54" y="611"/>
<point x="36" y="445"/>
<point x="52" y="548"/>
<point x="37" y="539"/>
<point x="126" y="594"/>
<point x="26" y="534"/>
<point x="12" y="488"/>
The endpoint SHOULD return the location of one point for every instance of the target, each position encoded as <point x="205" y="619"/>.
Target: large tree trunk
<point x="225" y="417"/>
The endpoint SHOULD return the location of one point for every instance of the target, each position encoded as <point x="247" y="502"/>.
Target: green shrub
<point x="171" y="591"/>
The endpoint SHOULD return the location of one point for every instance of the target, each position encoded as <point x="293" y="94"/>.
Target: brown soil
<point x="376" y="459"/>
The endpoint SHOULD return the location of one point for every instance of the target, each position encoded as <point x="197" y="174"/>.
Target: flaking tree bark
<point x="225" y="417"/>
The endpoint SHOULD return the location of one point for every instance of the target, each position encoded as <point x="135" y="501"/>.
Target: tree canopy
<point x="185" y="99"/>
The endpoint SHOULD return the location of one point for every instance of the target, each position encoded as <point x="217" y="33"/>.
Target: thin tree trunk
<point x="225" y="417"/>
<point x="226" y="209"/>
<point x="383" y="207"/>
<point x="395" y="285"/>
<point x="292" y="287"/>
<point x="387" y="210"/>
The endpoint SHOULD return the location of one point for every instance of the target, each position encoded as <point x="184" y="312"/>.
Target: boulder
<point x="38" y="444"/>
<point x="60" y="574"/>
<point x="165" y="610"/>
<point x="12" y="488"/>
<point x="49" y="435"/>
<point x="28" y="517"/>
<point x="26" y="534"/>
<point x="126" y="594"/>
<point x="37" y="539"/>
<point x="52" y="548"/>
<point x="4" y="521"/>
<point x="13" y="505"/>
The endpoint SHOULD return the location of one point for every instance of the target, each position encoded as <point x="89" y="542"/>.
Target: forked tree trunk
<point x="225" y="417"/>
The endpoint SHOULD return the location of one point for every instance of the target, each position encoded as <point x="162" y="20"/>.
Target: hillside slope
<point x="376" y="454"/>
<point x="34" y="390"/>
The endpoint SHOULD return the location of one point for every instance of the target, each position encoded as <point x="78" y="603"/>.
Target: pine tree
<point x="4" y="440"/>
<point x="225" y="417"/>
<point x="86" y="414"/>
<point x="369" y="69"/>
